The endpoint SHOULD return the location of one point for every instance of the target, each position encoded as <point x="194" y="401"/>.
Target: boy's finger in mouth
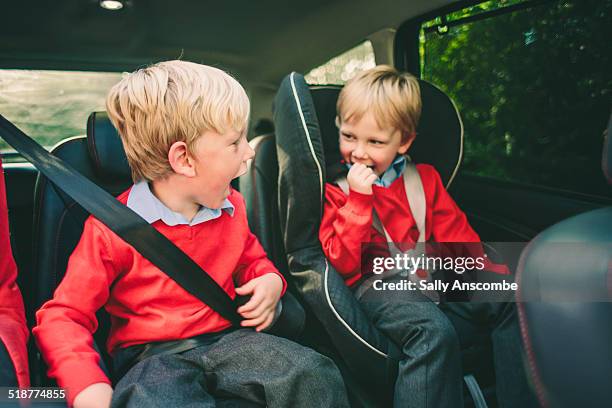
<point x="369" y="166"/>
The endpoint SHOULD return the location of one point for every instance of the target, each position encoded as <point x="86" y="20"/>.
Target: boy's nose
<point x="359" y="153"/>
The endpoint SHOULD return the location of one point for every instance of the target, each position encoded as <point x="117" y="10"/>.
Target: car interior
<point x="528" y="172"/>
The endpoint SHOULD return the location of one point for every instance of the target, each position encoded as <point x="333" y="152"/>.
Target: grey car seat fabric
<point x="565" y="283"/>
<point x="301" y="181"/>
<point x="307" y="150"/>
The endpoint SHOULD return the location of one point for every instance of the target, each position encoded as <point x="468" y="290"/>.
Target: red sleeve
<point x="65" y="323"/>
<point x="448" y="222"/>
<point x="346" y="225"/>
<point x="13" y="328"/>
<point x="254" y="263"/>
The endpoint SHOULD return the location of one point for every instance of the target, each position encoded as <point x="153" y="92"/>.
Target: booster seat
<point x="306" y="146"/>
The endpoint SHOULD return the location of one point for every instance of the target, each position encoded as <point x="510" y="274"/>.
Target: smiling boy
<point x="183" y="128"/>
<point x="378" y="112"/>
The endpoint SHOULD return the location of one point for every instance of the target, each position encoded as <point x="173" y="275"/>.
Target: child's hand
<point x="360" y="178"/>
<point x="259" y="311"/>
<point x="96" y="395"/>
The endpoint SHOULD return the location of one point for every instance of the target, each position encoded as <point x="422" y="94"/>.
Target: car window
<point x="532" y="81"/>
<point x="343" y="67"/>
<point x="52" y="105"/>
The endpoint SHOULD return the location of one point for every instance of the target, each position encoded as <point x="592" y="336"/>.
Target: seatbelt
<point x="415" y="194"/>
<point x="124" y="222"/>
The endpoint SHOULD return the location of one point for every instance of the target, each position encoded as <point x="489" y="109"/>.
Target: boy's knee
<point x="317" y="380"/>
<point x="440" y="335"/>
<point x="321" y="366"/>
<point x="444" y="334"/>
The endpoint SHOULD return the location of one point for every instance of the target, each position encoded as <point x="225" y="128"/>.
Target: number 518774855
<point x="36" y="393"/>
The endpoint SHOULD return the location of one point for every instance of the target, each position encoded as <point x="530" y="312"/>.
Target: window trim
<point x="490" y="14"/>
<point x="586" y="198"/>
<point x="406" y="55"/>
<point x="406" y="46"/>
<point x="11" y="156"/>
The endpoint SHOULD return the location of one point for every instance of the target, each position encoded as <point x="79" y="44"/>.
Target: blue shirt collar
<point x="395" y="170"/>
<point x="144" y="203"/>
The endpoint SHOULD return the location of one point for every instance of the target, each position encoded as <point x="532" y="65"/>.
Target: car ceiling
<point x="259" y="41"/>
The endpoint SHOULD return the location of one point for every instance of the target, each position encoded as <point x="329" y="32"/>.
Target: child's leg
<point x="163" y="381"/>
<point x="272" y="370"/>
<point x="501" y="321"/>
<point x="430" y="373"/>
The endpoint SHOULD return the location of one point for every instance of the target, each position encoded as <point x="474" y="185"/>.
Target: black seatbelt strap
<point x="124" y="222"/>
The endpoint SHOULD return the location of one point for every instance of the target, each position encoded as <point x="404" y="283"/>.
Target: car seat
<point x="565" y="306"/>
<point x="284" y="193"/>
<point x="58" y="220"/>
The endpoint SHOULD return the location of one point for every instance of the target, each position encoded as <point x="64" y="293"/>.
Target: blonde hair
<point x="172" y="101"/>
<point x="394" y="98"/>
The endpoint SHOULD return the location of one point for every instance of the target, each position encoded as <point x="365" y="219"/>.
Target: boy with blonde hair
<point x="183" y="127"/>
<point x="378" y="113"/>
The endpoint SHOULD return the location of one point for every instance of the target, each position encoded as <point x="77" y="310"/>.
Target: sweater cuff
<point x="261" y="270"/>
<point x="358" y="203"/>
<point x="74" y="378"/>
<point x="280" y="275"/>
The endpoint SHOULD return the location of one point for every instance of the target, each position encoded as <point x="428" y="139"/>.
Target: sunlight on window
<point x="340" y="69"/>
<point x="52" y="105"/>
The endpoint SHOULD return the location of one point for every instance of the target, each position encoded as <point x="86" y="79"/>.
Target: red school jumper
<point x="13" y="328"/>
<point x="347" y="221"/>
<point x="145" y="305"/>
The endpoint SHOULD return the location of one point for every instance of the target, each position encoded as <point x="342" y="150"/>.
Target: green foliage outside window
<point x="533" y="87"/>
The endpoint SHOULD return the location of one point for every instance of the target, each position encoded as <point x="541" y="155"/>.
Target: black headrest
<point x="105" y="148"/>
<point x="606" y="162"/>
<point x="439" y="140"/>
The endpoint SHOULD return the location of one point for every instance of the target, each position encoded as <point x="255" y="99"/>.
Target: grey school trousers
<point x="431" y="338"/>
<point x="256" y="368"/>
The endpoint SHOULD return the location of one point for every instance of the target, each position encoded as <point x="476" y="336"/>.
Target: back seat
<point x="565" y="309"/>
<point x="58" y="220"/>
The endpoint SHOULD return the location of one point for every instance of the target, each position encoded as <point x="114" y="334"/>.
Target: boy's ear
<point x="180" y="160"/>
<point x="403" y="148"/>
